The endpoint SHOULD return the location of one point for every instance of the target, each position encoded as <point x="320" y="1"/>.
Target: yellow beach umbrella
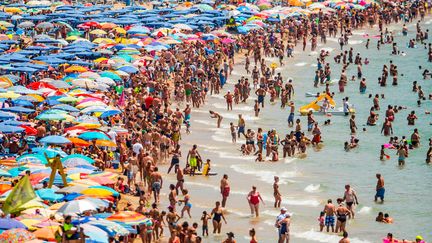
<point x="38" y="98"/>
<point x="90" y="125"/>
<point x="30" y="222"/>
<point x="78" y="69"/>
<point x="56" y="206"/>
<point x="5" y="82"/>
<point x="100" y="59"/>
<point x="120" y="30"/>
<point x="98" y="192"/>
<point x="104" y="41"/>
<point x="72" y="38"/>
<point x="98" y="32"/>
<point x="13" y="10"/>
<point x="9" y="94"/>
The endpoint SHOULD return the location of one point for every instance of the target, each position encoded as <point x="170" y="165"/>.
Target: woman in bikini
<point x="342" y="213"/>
<point x="254" y="198"/>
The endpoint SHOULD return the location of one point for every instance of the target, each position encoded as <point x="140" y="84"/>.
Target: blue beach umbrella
<point x="18" y="109"/>
<point x="10" y="129"/>
<point x="54" y="139"/>
<point x="110" y="113"/>
<point x="76" y="159"/>
<point x="93" y="135"/>
<point x="49" y="194"/>
<point x="32" y="158"/>
<point x="7" y="223"/>
<point x="50" y="152"/>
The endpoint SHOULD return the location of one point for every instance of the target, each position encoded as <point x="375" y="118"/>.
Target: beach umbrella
<point x="4" y="188"/>
<point x="106" y="143"/>
<point x="97" y="192"/>
<point x="10" y="129"/>
<point x="112" y="228"/>
<point x="110" y="75"/>
<point x="114" y="192"/>
<point x="26" y="25"/>
<point x="30" y="131"/>
<point x="7" y="115"/>
<point x="4" y="173"/>
<point x="108" y="25"/>
<point x="65" y="107"/>
<point x="93" y="136"/>
<point x="78" y="69"/>
<point x="54" y="139"/>
<point x="32" y="158"/>
<point x="18" y="109"/>
<point x="89" y="74"/>
<point x="84" y="83"/>
<point x="128" y="217"/>
<point x="102" y="180"/>
<point x="49" y="194"/>
<point x="45" y="25"/>
<point x="98" y="32"/>
<point x="7" y="223"/>
<point x="79" y="142"/>
<point x="77" y="207"/>
<point x="16" y="236"/>
<point x="9" y="94"/>
<point x="51" y="152"/>
<point x="76" y="159"/>
<point x="47" y="233"/>
<point x="94" y="234"/>
<point x="71" y="189"/>
<point x="51" y="117"/>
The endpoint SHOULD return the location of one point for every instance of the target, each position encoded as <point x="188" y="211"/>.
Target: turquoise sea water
<point x="306" y="184"/>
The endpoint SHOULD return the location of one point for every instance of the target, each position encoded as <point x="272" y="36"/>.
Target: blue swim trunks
<point x="291" y="117"/>
<point x="330" y="220"/>
<point x="380" y="193"/>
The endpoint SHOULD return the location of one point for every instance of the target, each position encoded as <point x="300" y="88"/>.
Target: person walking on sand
<point x="217" y="216"/>
<point x="380" y="190"/>
<point x="254" y="198"/>
<point x="329" y="211"/>
<point x="225" y="189"/>
<point x="350" y="198"/>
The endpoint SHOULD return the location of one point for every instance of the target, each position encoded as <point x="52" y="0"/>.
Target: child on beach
<point x="204" y="218"/>
<point x="382" y="153"/>
<point x="233" y="133"/>
<point x="321" y="220"/>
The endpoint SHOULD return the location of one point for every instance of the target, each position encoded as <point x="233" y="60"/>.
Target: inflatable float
<point x="315" y="107"/>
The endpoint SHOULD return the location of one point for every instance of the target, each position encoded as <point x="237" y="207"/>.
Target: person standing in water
<point x="276" y="193"/>
<point x="217" y="116"/>
<point x="345" y="238"/>
<point x="217" y="215"/>
<point x="225" y="189"/>
<point x="350" y="198"/>
<point x="329" y="211"/>
<point x="254" y="198"/>
<point x="192" y="158"/>
<point x="380" y="190"/>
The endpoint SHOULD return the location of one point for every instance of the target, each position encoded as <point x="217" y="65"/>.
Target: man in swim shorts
<point x="225" y="189"/>
<point x="192" y="159"/>
<point x="261" y="92"/>
<point x="156" y="180"/>
<point x="329" y="211"/>
<point x="380" y="190"/>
